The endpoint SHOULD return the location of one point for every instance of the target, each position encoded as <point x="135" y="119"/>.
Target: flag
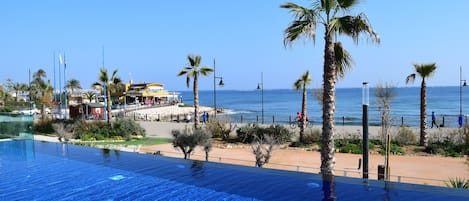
<point x="60" y="59"/>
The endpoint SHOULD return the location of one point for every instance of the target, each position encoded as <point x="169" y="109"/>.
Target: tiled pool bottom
<point x="33" y="170"/>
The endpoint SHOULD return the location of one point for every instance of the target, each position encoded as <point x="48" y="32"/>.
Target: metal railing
<point x="449" y="121"/>
<point x="355" y="173"/>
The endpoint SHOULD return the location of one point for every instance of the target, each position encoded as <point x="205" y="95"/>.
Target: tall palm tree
<point x="38" y="85"/>
<point x="424" y="71"/>
<point x="107" y="82"/>
<point x="193" y="70"/>
<point x="327" y="13"/>
<point x="73" y="84"/>
<point x="41" y="90"/>
<point x="301" y="84"/>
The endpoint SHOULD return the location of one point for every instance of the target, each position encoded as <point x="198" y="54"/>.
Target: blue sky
<point x="148" y="41"/>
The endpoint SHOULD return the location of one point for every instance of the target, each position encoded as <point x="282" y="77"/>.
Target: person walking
<point x="434" y="120"/>
<point x="204" y="117"/>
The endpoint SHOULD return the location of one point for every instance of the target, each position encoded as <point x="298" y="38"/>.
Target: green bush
<point x="248" y="133"/>
<point x="395" y="150"/>
<point x="353" y="145"/>
<point x="6" y="109"/>
<point x="405" y="136"/>
<point x="447" y="148"/>
<point x="220" y="127"/>
<point x="311" y="136"/>
<point x="97" y="130"/>
<point x="44" y="126"/>
<point x="351" y="148"/>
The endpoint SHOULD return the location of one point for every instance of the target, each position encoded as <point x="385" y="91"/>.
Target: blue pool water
<point x="33" y="170"/>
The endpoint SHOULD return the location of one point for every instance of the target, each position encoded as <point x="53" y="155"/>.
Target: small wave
<point x="232" y="112"/>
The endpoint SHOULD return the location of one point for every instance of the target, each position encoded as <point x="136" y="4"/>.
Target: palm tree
<point x="41" y="90"/>
<point x="192" y="71"/>
<point x="107" y="82"/>
<point x="90" y="95"/>
<point x="326" y="12"/>
<point x="38" y="85"/>
<point x="73" y="84"/>
<point x="424" y="71"/>
<point x="16" y="87"/>
<point x="301" y="84"/>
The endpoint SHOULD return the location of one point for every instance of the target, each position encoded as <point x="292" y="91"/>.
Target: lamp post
<point x="215" y="87"/>
<point x="462" y="83"/>
<point x="260" y="86"/>
<point x="365" y="102"/>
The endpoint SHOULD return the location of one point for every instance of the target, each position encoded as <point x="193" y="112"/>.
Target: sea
<point x="281" y="105"/>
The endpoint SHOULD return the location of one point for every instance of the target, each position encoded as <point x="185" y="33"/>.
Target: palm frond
<point x="347" y="4"/>
<point x="188" y="81"/>
<point x="205" y="71"/>
<point x="410" y="78"/>
<point x="328" y="5"/>
<point x="305" y="79"/>
<point x="303" y="25"/>
<point x="183" y="72"/>
<point x="425" y="70"/>
<point x="353" y="26"/>
<point x="343" y="60"/>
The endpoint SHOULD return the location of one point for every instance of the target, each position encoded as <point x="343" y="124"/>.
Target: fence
<point x="338" y="172"/>
<point x="16" y="125"/>
<point x="413" y="121"/>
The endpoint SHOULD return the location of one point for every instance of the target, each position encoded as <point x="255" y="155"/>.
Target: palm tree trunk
<point x="196" y="102"/>
<point x="303" y="114"/>
<point x="329" y="78"/>
<point x="423" y="113"/>
<point x="108" y="105"/>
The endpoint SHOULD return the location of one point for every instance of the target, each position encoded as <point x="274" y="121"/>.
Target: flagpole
<point x="65" y="87"/>
<point x="60" y="87"/>
<point x="55" y="86"/>
<point x="105" y="93"/>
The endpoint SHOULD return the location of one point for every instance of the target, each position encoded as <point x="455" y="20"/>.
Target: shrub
<point x="248" y="133"/>
<point x="186" y="140"/>
<point x="311" y="136"/>
<point x="220" y="127"/>
<point x="352" y="145"/>
<point x="126" y="128"/>
<point x="405" y="136"/>
<point x="44" y="126"/>
<point x="395" y="150"/>
<point x="351" y="148"/>
<point x="97" y="130"/>
<point x="447" y="148"/>
<point x="6" y="109"/>
<point x="458" y="183"/>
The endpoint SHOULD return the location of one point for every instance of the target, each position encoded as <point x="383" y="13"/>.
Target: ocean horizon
<point x="281" y="105"/>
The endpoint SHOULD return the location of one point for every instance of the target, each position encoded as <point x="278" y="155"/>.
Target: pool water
<point x="33" y="170"/>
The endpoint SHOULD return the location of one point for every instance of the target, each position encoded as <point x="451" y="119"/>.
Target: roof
<point x="95" y="105"/>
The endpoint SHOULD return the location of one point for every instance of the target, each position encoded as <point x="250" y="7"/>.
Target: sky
<point x="148" y="41"/>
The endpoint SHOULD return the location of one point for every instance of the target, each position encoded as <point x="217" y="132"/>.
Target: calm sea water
<point x="284" y="103"/>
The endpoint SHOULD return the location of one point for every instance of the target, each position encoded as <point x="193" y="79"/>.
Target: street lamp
<point x="365" y="102"/>
<point x="260" y="86"/>
<point x="462" y="83"/>
<point x="215" y="87"/>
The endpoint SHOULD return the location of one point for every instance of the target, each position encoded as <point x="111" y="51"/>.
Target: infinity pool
<point x="33" y="170"/>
